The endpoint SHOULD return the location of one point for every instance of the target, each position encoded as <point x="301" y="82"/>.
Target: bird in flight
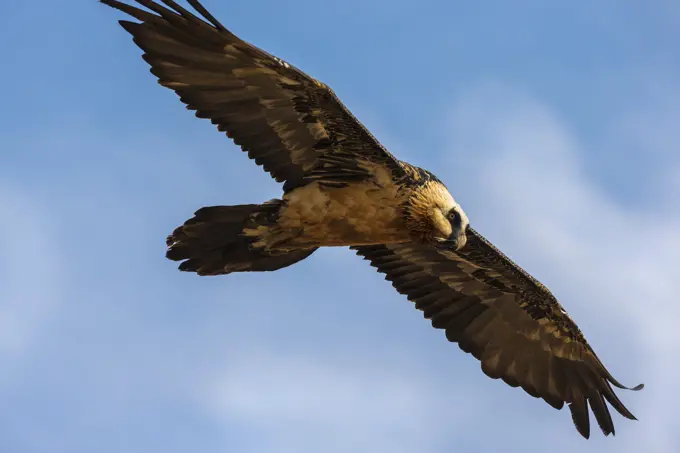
<point x="341" y="187"/>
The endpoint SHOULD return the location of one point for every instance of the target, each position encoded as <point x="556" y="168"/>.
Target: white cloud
<point x="305" y="402"/>
<point x="31" y="272"/>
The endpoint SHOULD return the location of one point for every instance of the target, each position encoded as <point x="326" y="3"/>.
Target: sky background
<point x="554" y="124"/>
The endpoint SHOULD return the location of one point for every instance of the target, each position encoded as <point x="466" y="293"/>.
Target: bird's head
<point x="435" y="215"/>
<point x="451" y="226"/>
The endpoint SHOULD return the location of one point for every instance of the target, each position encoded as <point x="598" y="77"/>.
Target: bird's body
<point x="341" y="187"/>
<point x="373" y="211"/>
<point x="360" y="214"/>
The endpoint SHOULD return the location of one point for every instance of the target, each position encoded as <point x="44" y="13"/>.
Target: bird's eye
<point x="454" y="216"/>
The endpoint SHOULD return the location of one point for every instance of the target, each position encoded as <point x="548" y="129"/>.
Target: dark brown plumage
<point x="507" y="320"/>
<point x="341" y="187"/>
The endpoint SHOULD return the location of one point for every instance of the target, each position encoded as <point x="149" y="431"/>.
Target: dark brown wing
<point x="288" y="122"/>
<point x="507" y="320"/>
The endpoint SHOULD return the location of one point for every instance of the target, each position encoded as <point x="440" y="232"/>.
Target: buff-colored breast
<point x="359" y="214"/>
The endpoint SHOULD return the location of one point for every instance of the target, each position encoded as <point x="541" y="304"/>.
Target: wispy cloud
<point x="31" y="276"/>
<point x="306" y="402"/>
<point x="612" y="264"/>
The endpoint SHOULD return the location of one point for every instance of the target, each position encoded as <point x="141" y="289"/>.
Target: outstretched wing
<point x="506" y="319"/>
<point x="288" y="122"/>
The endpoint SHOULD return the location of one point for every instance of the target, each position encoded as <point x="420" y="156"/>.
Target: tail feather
<point x="213" y="243"/>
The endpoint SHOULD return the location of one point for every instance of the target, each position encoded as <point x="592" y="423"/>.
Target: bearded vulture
<point x="341" y="187"/>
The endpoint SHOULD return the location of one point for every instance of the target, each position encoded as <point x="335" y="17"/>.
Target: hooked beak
<point x="456" y="241"/>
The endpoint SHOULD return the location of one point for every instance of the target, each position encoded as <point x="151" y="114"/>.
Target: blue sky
<point x="554" y="125"/>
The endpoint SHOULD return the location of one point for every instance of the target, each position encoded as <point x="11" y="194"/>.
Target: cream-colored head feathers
<point x="433" y="214"/>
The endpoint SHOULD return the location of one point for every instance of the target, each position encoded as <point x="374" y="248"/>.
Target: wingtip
<point x="128" y="26"/>
<point x="110" y="3"/>
<point x="204" y="12"/>
<point x="617" y="384"/>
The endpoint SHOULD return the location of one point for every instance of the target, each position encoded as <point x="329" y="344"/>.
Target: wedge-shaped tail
<point x="213" y="241"/>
